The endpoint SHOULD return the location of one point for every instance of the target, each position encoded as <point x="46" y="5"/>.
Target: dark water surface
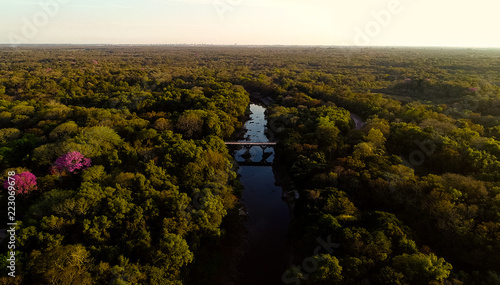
<point x="268" y="214"/>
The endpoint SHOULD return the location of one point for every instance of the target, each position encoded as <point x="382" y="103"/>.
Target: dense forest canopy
<point x="125" y="178"/>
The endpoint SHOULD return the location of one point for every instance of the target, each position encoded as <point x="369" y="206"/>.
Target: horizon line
<point x="237" y="45"/>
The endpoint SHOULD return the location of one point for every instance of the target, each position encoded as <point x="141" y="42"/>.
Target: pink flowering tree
<point x="24" y="183"/>
<point x="71" y="162"/>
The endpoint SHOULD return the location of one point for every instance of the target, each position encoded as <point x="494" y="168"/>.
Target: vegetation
<point x="134" y="184"/>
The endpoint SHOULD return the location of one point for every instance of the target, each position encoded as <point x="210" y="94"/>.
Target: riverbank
<point x="222" y="265"/>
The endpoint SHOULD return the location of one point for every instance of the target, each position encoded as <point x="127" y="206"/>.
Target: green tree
<point x="419" y="268"/>
<point x="69" y="264"/>
<point x="329" y="270"/>
<point x="190" y="124"/>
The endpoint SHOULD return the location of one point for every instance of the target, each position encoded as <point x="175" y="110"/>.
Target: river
<point x="268" y="215"/>
<point x="358" y="122"/>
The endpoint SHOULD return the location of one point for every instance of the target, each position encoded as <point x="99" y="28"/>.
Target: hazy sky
<point x="260" y="22"/>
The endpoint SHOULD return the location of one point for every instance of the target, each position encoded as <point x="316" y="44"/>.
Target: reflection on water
<point x="255" y="133"/>
<point x="268" y="215"/>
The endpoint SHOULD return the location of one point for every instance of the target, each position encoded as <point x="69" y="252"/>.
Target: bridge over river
<point x="248" y="157"/>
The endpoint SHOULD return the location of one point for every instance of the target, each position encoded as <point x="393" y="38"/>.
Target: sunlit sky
<point x="252" y="22"/>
